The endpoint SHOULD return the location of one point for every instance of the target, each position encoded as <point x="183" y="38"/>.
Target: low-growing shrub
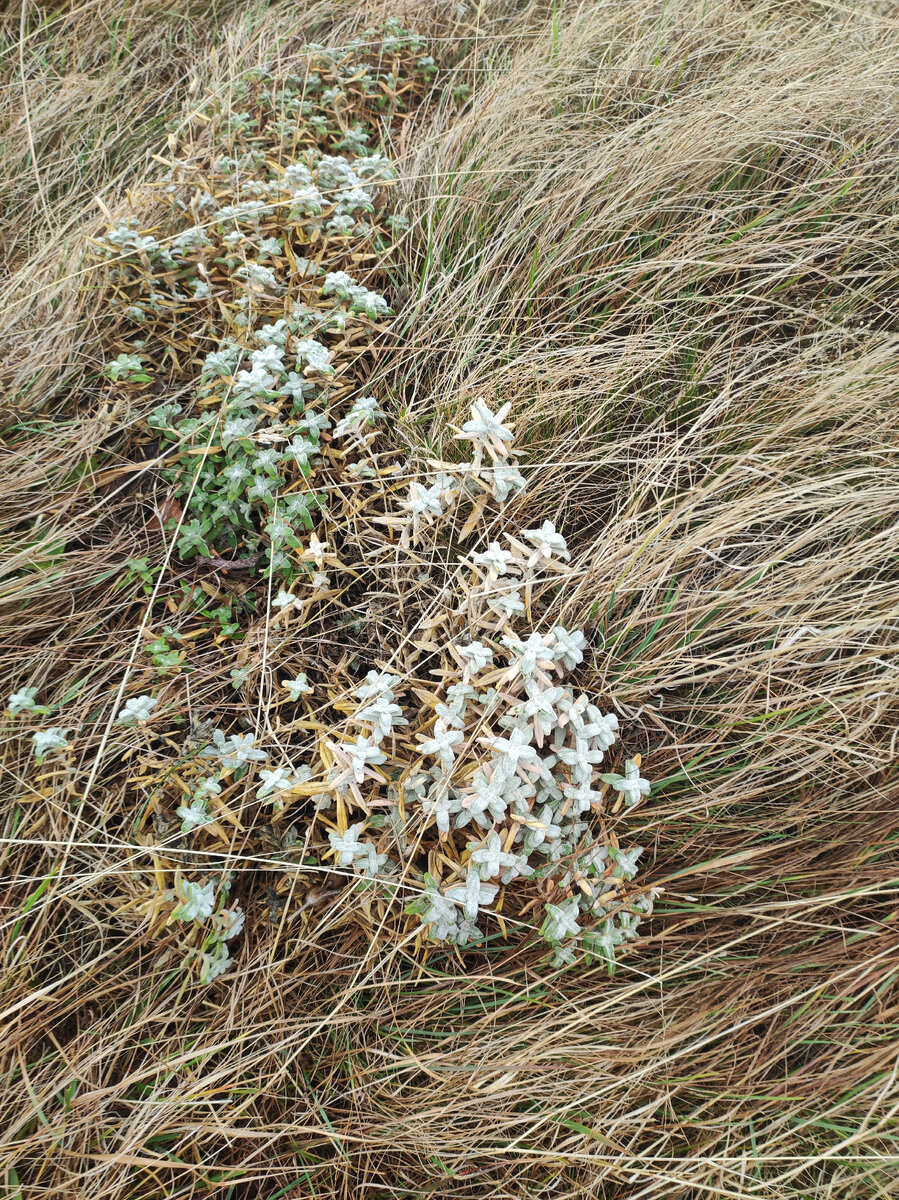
<point x="455" y="776"/>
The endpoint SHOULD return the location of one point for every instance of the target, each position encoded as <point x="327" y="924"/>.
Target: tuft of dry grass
<point x="666" y="232"/>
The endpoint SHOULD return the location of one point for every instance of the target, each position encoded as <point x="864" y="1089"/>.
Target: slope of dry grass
<point x="668" y="234"/>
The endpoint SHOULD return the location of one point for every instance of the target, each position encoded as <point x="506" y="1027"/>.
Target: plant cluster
<point x="275" y="232"/>
<point x="495" y="773"/>
<point x="456" y="807"/>
<point x="480" y="795"/>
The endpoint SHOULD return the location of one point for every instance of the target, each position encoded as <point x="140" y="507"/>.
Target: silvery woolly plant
<point x="506" y="764"/>
<point x="261" y="255"/>
<point x="203" y="905"/>
<point x="500" y="770"/>
<point x="497" y="781"/>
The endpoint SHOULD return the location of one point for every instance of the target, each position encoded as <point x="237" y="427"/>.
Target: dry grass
<point x="668" y="233"/>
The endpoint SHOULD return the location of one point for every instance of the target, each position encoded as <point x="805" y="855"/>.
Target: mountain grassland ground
<point x="668" y="234"/>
